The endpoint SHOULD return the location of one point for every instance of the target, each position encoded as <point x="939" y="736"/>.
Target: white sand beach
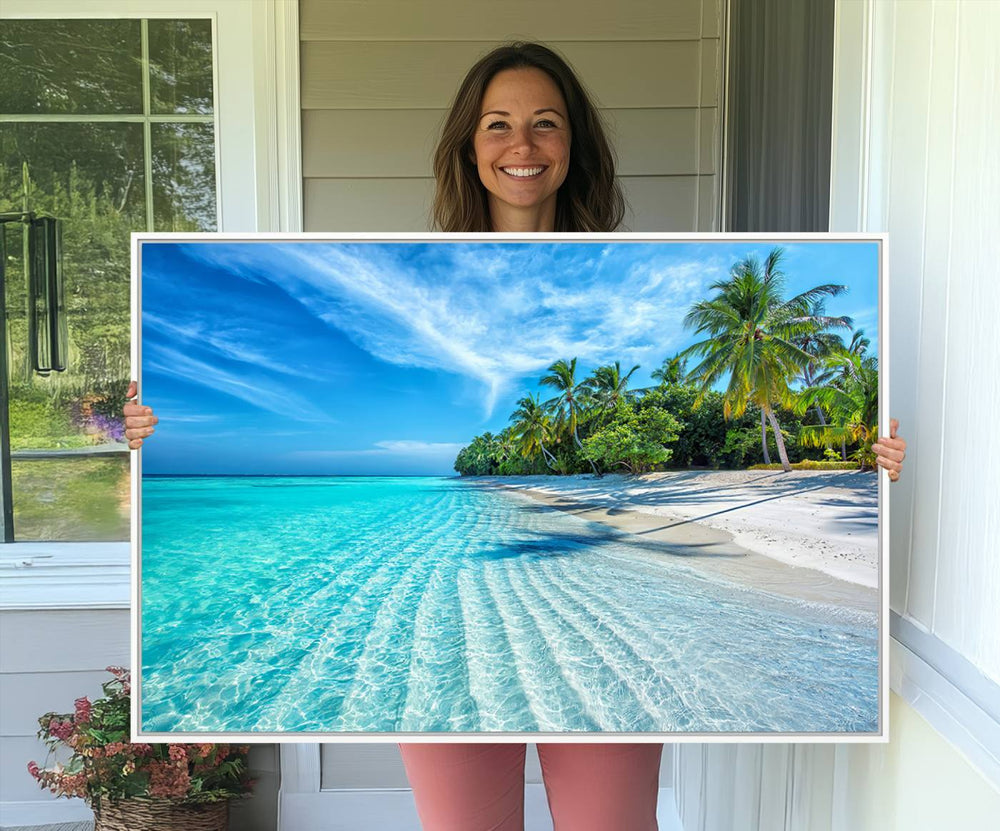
<point x="811" y="534"/>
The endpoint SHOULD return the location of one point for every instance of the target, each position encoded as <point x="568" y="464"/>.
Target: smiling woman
<point x="521" y="148"/>
<point x="521" y="108"/>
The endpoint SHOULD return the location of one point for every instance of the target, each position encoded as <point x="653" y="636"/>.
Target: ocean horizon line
<point x="301" y="475"/>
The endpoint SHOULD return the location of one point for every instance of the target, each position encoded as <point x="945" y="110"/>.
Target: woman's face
<point x="521" y="147"/>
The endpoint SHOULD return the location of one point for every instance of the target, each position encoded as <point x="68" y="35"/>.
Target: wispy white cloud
<point x="489" y="314"/>
<point x="865" y="318"/>
<point x="217" y="339"/>
<point x="258" y="391"/>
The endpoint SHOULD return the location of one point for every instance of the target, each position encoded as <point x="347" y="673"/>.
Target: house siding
<point x="377" y="79"/>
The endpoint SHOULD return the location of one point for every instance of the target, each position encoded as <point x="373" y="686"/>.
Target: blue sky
<point x="386" y="358"/>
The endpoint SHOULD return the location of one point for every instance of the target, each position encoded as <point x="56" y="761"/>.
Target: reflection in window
<point x="183" y="177"/>
<point x="180" y="66"/>
<point x="71" y="66"/>
<point x="107" y="125"/>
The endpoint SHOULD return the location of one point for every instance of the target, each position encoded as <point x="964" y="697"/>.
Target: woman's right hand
<point x="139" y="420"/>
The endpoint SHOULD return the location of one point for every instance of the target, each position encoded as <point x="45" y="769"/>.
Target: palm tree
<point x="506" y="443"/>
<point x="839" y="367"/>
<point x="532" y="426"/>
<point x="672" y="371"/>
<point x="568" y="404"/>
<point x="607" y="386"/>
<point x="750" y="331"/>
<point x="852" y="403"/>
<point x="820" y="343"/>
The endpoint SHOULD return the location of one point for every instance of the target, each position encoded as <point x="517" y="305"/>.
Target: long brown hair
<point x="590" y="198"/>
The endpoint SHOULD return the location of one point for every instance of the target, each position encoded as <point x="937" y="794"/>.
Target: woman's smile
<point x="523" y="172"/>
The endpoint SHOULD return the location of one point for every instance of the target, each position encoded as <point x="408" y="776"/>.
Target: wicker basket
<point x="161" y="815"/>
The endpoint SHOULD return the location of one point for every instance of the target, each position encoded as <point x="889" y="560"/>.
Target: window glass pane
<point x="180" y="66"/>
<point x="71" y="465"/>
<point x="91" y="177"/>
<point x="70" y="66"/>
<point x="184" y="177"/>
<point x="73" y="499"/>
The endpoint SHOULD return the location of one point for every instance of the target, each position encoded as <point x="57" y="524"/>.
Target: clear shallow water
<point x="431" y="604"/>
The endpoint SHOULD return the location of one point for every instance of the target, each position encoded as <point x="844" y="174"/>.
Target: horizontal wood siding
<point x="48" y="659"/>
<point x="377" y="78"/>
<point x="63" y="641"/>
<point x="26" y="695"/>
<point x="347" y="766"/>
<point x="587" y="20"/>
<point x="338" y="203"/>
<point x="377" y="75"/>
<point x="367" y="142"/>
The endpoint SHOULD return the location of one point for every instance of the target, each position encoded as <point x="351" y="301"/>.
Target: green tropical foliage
<point x="853" y="403"/>
<point x="635" y="439"/>
<point x="481" y="458"/>
<point x="778" y="361"/>
<point x="533" y="427"/>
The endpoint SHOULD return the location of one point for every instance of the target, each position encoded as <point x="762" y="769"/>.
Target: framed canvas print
<point x="558" y="487"/>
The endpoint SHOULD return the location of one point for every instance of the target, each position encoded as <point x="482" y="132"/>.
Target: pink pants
<point x="480" y="787"/>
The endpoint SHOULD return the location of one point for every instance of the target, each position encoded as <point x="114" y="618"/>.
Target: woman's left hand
<point x="891" y="451"/>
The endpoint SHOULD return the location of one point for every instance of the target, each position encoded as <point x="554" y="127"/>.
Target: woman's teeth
<point x="522" y="171"/>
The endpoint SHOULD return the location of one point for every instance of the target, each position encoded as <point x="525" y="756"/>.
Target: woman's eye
<point x="546" y="123"/>
<point x="496" y="125"/>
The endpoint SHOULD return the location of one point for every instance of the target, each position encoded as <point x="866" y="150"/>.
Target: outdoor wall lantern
<point x="47" y="331"/>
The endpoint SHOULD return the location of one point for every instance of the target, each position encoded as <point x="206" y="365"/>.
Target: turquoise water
<point x="433" y="604"/>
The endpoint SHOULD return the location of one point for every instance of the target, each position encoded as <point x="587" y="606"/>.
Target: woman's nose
<point x="522" y="139"/>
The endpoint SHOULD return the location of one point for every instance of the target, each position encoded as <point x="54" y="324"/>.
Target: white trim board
<point x="948" y="708"/>
<point x="64" y="575"/>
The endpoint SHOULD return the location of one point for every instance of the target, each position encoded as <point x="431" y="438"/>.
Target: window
<point x="109" y="126"/>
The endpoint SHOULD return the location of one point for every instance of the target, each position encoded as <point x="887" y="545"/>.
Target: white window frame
<point x="259" y="188"/>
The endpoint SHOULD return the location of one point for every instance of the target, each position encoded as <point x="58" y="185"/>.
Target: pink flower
<point x="34" y="770"/>
<point x="177" y="753"/>
<point x="61" y="729"/>
<point x="83" y="709"/>
<point x="168" y="779"/>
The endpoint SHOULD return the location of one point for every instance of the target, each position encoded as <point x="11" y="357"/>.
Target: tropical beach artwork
<point x="522" y="487"/>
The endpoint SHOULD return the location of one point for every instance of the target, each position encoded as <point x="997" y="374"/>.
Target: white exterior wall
<point x="915" y="153"/>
